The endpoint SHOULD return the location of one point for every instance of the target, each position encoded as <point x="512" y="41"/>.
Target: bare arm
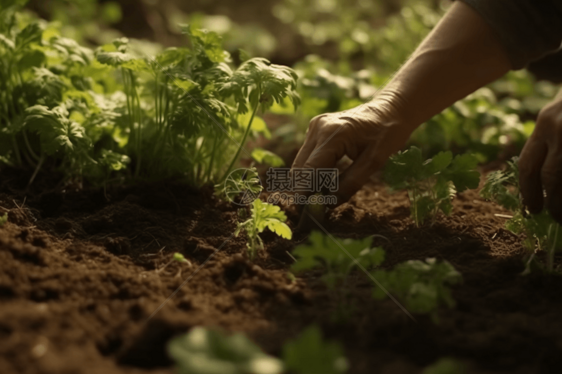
<point x="459" y="56"/>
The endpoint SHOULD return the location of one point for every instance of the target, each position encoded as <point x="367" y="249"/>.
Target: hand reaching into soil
<point x="368" y="135"/>
<point x="540" y="165"/>
<point x="460" y="55"/>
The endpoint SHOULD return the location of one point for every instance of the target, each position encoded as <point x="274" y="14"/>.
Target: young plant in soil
<point x="421" y="285"/>
<point x="432" y="183"/>
<point x="309" y="354"/>
<point x="263" y="215"/>
<point x="323" y="252"/>
<point x="205" y="351"/>
<point x="209" y="351"/>
<point x="541" y="232"/>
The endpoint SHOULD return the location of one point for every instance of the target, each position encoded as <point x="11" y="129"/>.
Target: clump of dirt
<point x="88" y="285"/>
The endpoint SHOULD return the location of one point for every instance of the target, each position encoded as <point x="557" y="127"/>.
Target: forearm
<point x="459" y="56"/>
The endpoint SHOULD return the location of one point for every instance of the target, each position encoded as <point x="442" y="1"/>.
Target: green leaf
<point x="267" y="157"/>
<point x="203" y="351"/>
<point x="30" y="59"/>
<point x="309" y="354"/>
<point x="30" y="34"/>
<point x="445" y="366"/>
<point x="339" y="255"/>
<point x="438" y="163"/>
<point x="421" y="285"/>
<point x="115" y="59"/>
<point x="113" y="161"/>
<point x="403" y="168"/>
<point x="186" y="84"/>
<point x="462" y="172"/>
<point x="3" y="219"/>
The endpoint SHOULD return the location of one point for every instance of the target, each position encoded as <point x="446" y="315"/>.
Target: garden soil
<point x="87" y="284"/>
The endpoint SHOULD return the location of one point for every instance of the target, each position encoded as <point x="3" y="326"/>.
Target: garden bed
<point x="81" y="291"/>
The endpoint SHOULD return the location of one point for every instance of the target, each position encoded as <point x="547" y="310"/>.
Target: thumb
<point x="358" y="174"/>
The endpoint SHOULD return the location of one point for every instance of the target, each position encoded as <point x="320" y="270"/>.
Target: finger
<point x="551" y="176"/>
<point x="530" y="167"/>
<point x="358" y="174"/>
<point x="309" y="144"/>
<point x="305" y="152"/>
<point x="391" y="139"/>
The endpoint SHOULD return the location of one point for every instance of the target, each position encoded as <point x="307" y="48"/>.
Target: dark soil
<point x="83" y="288"/>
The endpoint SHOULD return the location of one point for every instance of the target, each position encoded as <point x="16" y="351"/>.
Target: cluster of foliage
<point x="113" y="112"/>
<point x="209" y="351"/>
<point x="432" y="183"/>
<point x="337" y="259"/>
<point x="422" y="286"/>
<point x="541" y="232"/>
<point x="263" y="215"/>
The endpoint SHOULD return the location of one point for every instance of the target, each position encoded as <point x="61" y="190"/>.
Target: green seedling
<point x="177" y="257"/>
<point x="263" y="216"/>
<point x="446" y="366"/>
<point x="541" y="232"/>
<point x="205" y="351"/>
<point x="337" y="259"/>
<point x="309" y="354"/>
<point x="421" y="285"/>
<point x="431" y="184"/>
<point x="3" y="219"/>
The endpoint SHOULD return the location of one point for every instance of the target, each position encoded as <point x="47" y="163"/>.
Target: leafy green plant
<point x="207" y="351"/>
<point x="421" y="285"/>
<point x="263" y="215"/>
<point x="325" y="253"/>
<point x="115" y="113"/>
<point x="446" y="366"/>
<point x="432" y="183"/>
<point x="3" y="219"/>
<point x="541" y="232"/>
<point x="309" y="354"/>
<point x="211" y="351"/>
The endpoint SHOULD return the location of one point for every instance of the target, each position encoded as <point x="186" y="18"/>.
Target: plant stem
<point x="36" y="170"/>
<point x="241" y="143"/>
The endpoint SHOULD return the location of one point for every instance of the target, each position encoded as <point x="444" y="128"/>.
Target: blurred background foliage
<point x="343" y="51"/>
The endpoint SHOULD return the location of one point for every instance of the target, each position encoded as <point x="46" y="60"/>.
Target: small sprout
<point x="541" y="231"/>
<point x="180" y="258"/>
<point x="421" y="285"/>
<point x="291" y="277"/>
<point x="3" y="219"/>
<point x="431" y="184"/>
<point x="205" y="351"/>
<point x="326" y="253"/>
<point x="263" y="216"/>
<point x="309" y="354"/>
<point x="445" y="366"/>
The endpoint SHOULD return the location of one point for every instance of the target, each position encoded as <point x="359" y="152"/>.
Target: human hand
<point x="367" y="134"/>
<point x="540" y="164"/>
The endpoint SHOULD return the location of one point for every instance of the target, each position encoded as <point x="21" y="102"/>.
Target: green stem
<point x="241" y="143"/>
<point x="36" y="170"/>
<point x="16" y="149"/>
<point x="139" y="121"/>
<point x="210" y="168"/>
<point x="26" y="141"/>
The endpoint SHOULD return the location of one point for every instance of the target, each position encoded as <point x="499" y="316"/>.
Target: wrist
<point x="389" y="106"/>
